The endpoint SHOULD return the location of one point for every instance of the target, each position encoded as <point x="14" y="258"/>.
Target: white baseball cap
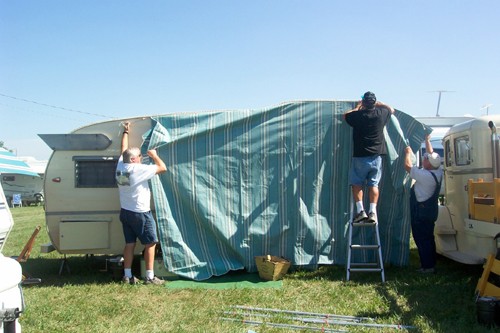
<point x="434" y="159"/>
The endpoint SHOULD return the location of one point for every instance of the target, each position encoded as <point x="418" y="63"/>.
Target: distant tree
<point x="2" y="145"/>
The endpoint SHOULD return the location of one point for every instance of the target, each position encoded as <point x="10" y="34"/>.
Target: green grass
<point x="88" y="300"/>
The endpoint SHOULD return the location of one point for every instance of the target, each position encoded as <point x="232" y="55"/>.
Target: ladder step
<point x="366" y="264"/>
<point x="358" y="246"/>
<point x="366" y="269"/>
<point x="363" y="224"/>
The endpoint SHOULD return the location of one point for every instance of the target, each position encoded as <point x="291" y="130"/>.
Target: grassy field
<point x="88" y="300"/>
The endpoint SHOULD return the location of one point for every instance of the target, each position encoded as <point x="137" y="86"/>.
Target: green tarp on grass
<point x="273" y="181"/>
<point x="231" y="280"/>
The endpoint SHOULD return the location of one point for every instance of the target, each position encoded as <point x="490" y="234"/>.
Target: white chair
<point x="17" y="201"/>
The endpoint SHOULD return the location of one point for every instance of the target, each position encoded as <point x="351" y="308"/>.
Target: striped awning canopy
<point x="241" y="184"/>
<point x="10" y="163"/>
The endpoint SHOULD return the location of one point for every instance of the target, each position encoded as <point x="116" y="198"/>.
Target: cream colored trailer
<point x="81" y="197"/>
<point x="468" y="222"/>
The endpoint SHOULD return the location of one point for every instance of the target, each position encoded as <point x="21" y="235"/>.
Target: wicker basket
<point x="271" y="268"/>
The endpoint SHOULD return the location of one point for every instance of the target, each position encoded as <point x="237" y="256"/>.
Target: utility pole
<point x="487" y="107"/>
<point x="439" y="99"/>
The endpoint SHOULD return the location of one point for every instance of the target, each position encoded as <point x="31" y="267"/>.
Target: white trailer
<point x="469" y="220"/>
<point x="30" y="188"/>
<point x="11" y="294"/>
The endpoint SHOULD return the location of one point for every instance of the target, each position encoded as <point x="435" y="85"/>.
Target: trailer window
<point x="448" y="156"/>
<point x="95" y="171"/>
<point x="462" y="150"/>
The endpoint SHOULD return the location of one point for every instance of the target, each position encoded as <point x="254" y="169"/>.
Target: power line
<point x="54" y="107"/>
<point x="38" y="112"/>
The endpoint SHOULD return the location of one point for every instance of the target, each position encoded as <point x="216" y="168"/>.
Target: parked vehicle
<point x="469" y="220"/>
<point x="11" y="294"/>
<point x="30" y="188"/>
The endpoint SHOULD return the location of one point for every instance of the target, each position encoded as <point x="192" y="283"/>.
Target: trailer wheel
<point x="38" y="198"/>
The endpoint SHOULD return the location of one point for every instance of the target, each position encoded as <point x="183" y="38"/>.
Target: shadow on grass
<point x="73" y="270"/>
<point x="445" y="299"/>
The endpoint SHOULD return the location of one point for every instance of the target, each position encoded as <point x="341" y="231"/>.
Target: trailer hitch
<point x="8" y="318"/>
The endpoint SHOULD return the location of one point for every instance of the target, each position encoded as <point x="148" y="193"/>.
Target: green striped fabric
<point x="273" y="181"/>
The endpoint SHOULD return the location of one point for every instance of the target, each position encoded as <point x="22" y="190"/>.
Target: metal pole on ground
<point x="289" y="326"/>
<point x="315" y="318"/>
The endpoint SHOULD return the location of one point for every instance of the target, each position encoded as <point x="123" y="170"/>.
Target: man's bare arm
<point x="408" y="162"/>
<point x="160" y="165"/>
<point x="428" y="145"/>
<point x="126" y="128"/>
<point x="383" y="105"/>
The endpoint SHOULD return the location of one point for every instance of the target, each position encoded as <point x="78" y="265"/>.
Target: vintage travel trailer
<point x="21" y="179"/>
<point x="30" y="188"/>
<point x="82" y="204"/>
<point x="469" y="220"/>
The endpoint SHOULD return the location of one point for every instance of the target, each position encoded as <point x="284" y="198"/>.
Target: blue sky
<point x="66" y="64"/>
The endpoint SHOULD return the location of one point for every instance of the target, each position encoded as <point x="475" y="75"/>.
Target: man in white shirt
<point x="424" y="203"/>
<point x="135" y="196"/>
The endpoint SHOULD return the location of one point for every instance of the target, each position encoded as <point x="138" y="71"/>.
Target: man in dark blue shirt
<point x="368" y="120"/>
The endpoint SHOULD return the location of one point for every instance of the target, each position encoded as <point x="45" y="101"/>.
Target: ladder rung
<point x="366" y="264"/>
<point x="366" y="269"/>
<point x="358" y="246"/>
<point x="364" y="224"/>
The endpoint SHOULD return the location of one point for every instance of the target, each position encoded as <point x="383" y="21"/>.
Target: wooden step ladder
<point x="378" y="265"/>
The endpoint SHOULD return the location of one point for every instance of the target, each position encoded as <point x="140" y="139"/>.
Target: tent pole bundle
<point x="325" y="320"/>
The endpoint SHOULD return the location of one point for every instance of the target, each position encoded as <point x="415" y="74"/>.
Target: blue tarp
<point x="273" y="181"/>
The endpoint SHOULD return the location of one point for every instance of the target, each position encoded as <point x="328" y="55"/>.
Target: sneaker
<point x="360" y="217"/>
<point x="154" y="280"/>
<point x="372" y="217"/>
<point x="131" y="280"/>
<point x="426" y="270"/>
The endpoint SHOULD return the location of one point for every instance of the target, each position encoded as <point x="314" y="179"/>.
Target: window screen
<point x="95" y="171"/>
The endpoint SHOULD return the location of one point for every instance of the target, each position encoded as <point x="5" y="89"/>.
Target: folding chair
<point x="17" y="201"/>
<point x="25" y="254"/>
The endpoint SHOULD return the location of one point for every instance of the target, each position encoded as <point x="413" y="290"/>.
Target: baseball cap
<point x="369" y="96"/>
<point x="434" y="159"/>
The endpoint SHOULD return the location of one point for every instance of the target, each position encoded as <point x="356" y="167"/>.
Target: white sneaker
<point x="360" y="217"/>
<point x="372" y="218"/>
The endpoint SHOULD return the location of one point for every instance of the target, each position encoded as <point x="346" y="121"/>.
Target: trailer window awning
<point x="10" y="163"/>
<point x="241" y="184"/>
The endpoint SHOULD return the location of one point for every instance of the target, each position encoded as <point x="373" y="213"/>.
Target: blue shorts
<point x="366" y="169"/>
<point x="138" y="225"/>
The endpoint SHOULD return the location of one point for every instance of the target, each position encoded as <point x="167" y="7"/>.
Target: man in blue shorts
<point x="367" y="120"/>
<point x="135" y="200"/>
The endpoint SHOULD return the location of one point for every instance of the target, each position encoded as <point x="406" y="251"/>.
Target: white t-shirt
<point x="132" y="179"/>
<point x="424" y="182"/>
